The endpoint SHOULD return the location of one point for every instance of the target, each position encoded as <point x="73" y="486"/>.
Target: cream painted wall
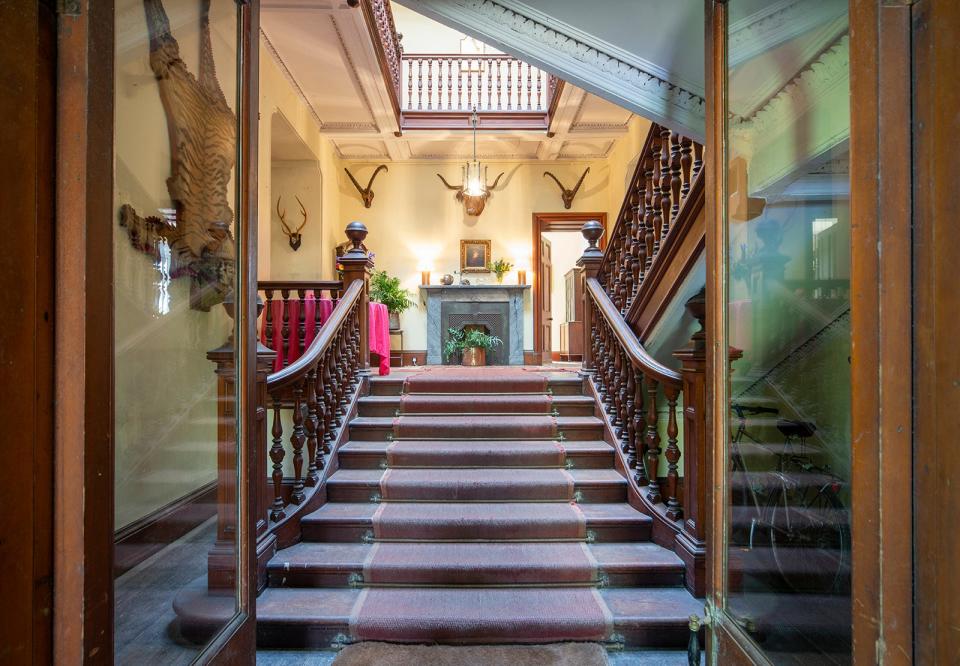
<point x="565" y="248"/>
<point x="314" y="260"/>
<point x="303" y="179"/>
<point x="622" y="161"/>
<point x="416" y="223"/>
<point x="165" y="390"/>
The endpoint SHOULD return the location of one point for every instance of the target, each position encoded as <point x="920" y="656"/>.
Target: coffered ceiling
<point x="326" y="53"/>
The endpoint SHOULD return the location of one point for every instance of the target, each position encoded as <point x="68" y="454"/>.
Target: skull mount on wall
<point x="294" y="237"/>
<point x="366" y="193"/>
<point x="565" y="194"/>
<point x="472" y="203"/>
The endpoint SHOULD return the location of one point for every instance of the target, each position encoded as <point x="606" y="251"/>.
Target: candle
<point x="521" y="277"/>
<point x="424" y="277"/>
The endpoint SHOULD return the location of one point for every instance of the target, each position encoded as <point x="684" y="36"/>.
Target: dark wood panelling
<point x="936" y="27"/>
<point x="27" y="136"/>
<point x="406" y="357"/>
<point x="144" y="537"/>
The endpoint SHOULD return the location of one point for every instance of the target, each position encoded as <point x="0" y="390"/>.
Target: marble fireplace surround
<point x="436" y="295"/>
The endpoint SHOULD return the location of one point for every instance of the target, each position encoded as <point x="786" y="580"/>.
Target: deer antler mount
<point x="472" y="203"/>
<point x="366" y="193"/>
<point x="294" y="237"/>
<point x="568" y="195"/>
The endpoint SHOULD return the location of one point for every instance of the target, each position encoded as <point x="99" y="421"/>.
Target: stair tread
<point x="352" y="556"/>
<point x="630" y="607"/>
<point x="562" y="399"/>
<point x="562" y="421"/>
<point x="573" y="446"/>
<point x="513" y="475"/>
<point x="362" y="512"/>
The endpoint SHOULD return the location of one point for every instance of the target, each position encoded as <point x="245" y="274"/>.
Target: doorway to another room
<point x="558" y="300"/>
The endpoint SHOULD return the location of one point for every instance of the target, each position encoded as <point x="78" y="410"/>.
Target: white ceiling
<point x="325" y="51"/>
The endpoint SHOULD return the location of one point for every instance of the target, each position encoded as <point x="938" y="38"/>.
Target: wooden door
<point x="546" y="309"/>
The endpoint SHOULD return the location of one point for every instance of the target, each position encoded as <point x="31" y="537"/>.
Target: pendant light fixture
<point x="475" y="175"/>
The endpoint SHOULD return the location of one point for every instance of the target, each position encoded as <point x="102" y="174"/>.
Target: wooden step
<point x="310" y="564"/>
<point x="476" y="485"/>
<point x="388" y="405"/>
<point x="586" y="454"/>
<point x="558" y="383"/>
<point x="316" y="617"/>
<point x="577" y="428"/>
<point x="530" y="521"/>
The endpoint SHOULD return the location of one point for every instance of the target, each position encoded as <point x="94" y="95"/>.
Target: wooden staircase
<point x="459" y="539"/>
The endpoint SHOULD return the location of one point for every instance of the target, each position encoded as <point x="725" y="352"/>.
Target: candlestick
<point x="424" y="277"/>
<point x="521" y="277"/>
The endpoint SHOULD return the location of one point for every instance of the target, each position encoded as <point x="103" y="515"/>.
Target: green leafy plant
<point x="500" y="267"/>
<point x="385" y="289"/>
<point x="459" y="339"/>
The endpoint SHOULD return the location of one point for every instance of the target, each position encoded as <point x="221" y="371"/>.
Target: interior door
<point x="546" y="307"/>
<point x="781" y="545"/>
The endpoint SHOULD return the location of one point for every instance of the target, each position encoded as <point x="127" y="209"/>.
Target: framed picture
<point x="474" y="256"/>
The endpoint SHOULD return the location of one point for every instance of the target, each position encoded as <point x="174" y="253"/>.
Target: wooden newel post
<point x="589" y="265"/>
<point x="692" y="540"/>
<point x="357" y="265"/>
<point x="221" y="560"/>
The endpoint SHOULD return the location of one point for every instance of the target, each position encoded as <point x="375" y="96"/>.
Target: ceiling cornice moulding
<point x="582" y="59"/>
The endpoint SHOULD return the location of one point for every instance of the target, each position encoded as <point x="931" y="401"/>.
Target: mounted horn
<point x="568" y="195"/>
<point x="294" y="237"/>
<point x="472" y="203"/>
<point x="366" y="193"/>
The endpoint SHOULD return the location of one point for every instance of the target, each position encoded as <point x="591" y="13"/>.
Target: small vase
<point x="499" y="279"/>
<point x="394" y="321"/>
<point x="474" y="356"/>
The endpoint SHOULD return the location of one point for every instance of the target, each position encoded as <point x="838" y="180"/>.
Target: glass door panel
<point x="787" y="499"/>
<point x="175" y="251"/>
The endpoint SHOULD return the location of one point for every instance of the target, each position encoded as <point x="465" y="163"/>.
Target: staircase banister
<point x="298" y="369"/>
<point x="625" y="206"/>
<point x="638" y="356"/>
<point x="296" y="285"/>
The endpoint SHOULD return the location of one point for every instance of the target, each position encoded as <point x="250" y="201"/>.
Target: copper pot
<point x="474" y="356"/>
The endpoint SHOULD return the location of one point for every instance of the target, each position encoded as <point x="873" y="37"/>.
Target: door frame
<point x="83" y="467"/>
<point x="566" y="221"/>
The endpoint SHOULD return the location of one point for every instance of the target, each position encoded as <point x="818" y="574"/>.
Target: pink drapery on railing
<point x="379" y="337"/>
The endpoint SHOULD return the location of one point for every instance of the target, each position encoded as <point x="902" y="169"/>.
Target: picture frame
<point x="474" y="256"/>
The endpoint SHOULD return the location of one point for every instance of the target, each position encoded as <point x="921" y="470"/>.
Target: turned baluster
<point x="327" y="400"/>
<point x="312" y="425"/>
<point x="611" y="379"/>
<point x="470" y="84"/>
<point x="539" y="89"/>
<point x="355" y="357"/>
<point x="697" y="159"/>
<point x="636" y="261"/>
<point x="449" y="84"/>
<point x="653" y="443"/>
<point x="661" y="230"/>
<point x="529" y="88"/>
<point x="599" y="355"/>
<point x="301" y="321"/>
<point x="489" y="66"/>
<point x="616" y="396"/>
<point x="674" y="510"/>
<point x="639" y="430"/>
<point x="675" y="179"/>
<point x="629" y="415"/>
<point x="622" y="373"/>
<point x="628" y="281"/>
<point x="652" y="203"/>
<point x="285" y="329"/>
<point x="340" y="382"/>
<point x="429" y="84"/>
<point x="499" y="84"/>
<point x="276" y="456"/>
<point x="420" y="83"/>
<point x="269" y="318"/>
<point x="317" y="295"/>
<point x="409" y="104"/>
<point x="509" y="83"/>
<point x="297" y="439"/>
<point x="685" y="162"/>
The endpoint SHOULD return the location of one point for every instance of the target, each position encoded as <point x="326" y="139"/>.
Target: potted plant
<point x="471" y="345"/>
<point x="500" y="267"/>
<point x="385" y="289"/>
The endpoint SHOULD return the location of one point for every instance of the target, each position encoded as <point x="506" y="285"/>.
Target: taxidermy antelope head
<point x="366" y="193"/>
<point x="568" y="195"/>
<point x="293" y="236"/>
<point x="475" y="201"/>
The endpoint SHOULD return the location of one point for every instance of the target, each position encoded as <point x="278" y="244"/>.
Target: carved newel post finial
<point x="697" y="307"/>
<point x="592" y="230"/>
<point x="356" y="233"/>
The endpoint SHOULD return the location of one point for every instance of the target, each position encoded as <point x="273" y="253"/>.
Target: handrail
<point x="299" y="368"/>
<point x="296" y="285"/>
<point x="378" y="16"/>
<point x="639" y="357"/>
<point x="669" y="169"/>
